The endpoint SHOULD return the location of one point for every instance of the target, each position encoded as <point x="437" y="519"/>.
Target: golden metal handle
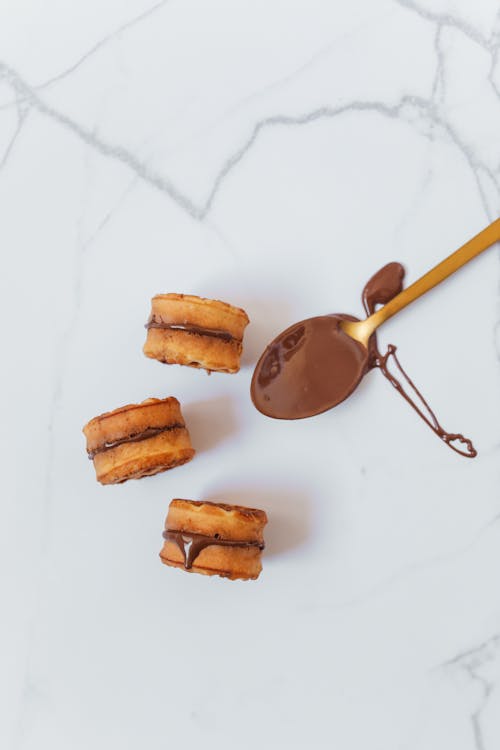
<point x="363" y="330"/>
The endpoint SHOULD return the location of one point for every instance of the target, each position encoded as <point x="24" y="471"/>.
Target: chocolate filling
<point x="215" y="333"/>
<point x="191" y="544"/>
<point x="137" y="437"/>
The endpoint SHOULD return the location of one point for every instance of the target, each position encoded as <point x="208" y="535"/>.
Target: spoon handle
<point x="449" y="265"/>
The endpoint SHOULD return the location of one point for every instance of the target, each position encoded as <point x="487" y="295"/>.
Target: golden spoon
<point x="362" y="330"/>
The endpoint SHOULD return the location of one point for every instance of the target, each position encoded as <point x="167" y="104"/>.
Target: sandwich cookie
<point x="138" y="440"/>
<point x="214" y="539"/>
<point x="187" y="330"/>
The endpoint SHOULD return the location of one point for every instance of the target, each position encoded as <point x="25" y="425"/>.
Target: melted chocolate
<point x="196" y="543"/>
<point x="314" y="365"/>
<point x="215" y="333"/>
<point x="307" y="369"/>
<point x="149" y="432"/>
<point x="383" y="286"/>
<point x="452" y="440"/>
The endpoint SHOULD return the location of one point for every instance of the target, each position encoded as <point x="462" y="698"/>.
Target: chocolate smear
<point x="216" y="333"/>
<point x="314" y="365"/>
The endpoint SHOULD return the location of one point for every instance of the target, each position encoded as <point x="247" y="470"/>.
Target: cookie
<point x="214" y="539"/>
<point x="138" y="440"/>
<point x="187" y="330"/>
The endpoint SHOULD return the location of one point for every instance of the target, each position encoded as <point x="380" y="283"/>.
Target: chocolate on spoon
<point x="317" y="363"/>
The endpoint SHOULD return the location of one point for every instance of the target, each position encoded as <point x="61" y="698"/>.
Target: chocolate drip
<point x="215" y="333"/>
<point x="380" y="289"/>
<point x="451" y="439"/>
<point x="314" y="365"/>
<point x="149" y="432"/>
<point x="196" y="543"/>
<point x="383" y="286"/>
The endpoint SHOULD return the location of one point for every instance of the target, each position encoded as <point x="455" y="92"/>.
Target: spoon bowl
<point x="308" y="368"/>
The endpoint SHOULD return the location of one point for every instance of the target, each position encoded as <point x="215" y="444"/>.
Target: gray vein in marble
<point x="102" y="43"/>
<point x="95" y="48"/>
<point x="436" y="97"/>
<point x="471" y="662"/>
<point x="437" y="86"/>
<point x="472" y="652"/>
<point x="447" y="19"/>
<point x="108" y="215"/>
<point x="295" y="74"/>
<point x="491" y="44"/>
<point x="61" y="357"/>
<point x="406" y="109"/>
<point x="482" y="173"/>
<point x="425" y="108"/>
<point x="117" y="153"/>
<point x="494" y="56"/>
<point x="22" y="113"/>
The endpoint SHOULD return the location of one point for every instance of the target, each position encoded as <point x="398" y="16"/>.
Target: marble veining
<point x="471" y="662"/>
<point x="407" y="108"/>
<point x="386" y="618"/>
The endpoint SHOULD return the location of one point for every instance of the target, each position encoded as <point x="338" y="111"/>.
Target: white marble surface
<point x="273" y="154"/>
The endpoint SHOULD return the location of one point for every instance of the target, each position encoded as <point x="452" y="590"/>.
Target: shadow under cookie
<point x="211" y="422"/>
<point x="288" y="509"/>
